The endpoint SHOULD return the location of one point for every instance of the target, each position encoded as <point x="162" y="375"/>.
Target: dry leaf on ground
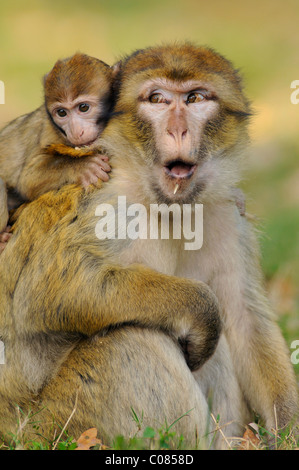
<point x="251" y="440"/>
<point x="89" y="439"/>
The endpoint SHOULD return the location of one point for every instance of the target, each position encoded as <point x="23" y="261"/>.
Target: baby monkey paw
<point x="4" y="238"/>
<point x="93" y="169"/>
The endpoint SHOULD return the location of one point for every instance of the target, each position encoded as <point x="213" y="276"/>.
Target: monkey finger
<point x="102" y="175"/>
<point x="105" y="158"/>
<point x="87" y="178"/>
<point x="5" y="236"/>
<point x="91" y="177"/>
<point x="99" y="170"/>
<point x="102" y="164"/>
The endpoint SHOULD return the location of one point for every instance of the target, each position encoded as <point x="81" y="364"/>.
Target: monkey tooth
<point x="176" y="188"/>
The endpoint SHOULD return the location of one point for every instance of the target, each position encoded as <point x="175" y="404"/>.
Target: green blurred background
<point x="261" y="38"/>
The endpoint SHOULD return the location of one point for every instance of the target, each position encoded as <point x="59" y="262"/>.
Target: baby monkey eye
<point x="84" y="107"/>
<point x="156" y="98"/>
<point x="195" y="97"/>
<point x="61" y="112"/>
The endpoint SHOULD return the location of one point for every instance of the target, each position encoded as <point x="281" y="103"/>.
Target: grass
<point x="148" y="438"/>
<point x="144" y="438"/>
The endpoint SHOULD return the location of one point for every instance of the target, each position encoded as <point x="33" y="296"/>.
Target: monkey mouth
<point x="178" y="169"/>
<point x="85" y="144"/>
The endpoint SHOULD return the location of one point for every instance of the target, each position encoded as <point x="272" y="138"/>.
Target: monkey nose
<point x="178" y="135"/>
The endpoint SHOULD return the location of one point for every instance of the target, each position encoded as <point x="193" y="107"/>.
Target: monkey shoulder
<point x="55" y="208"/>
<point x="22" y="122"/>
<point x="21" y="134"/>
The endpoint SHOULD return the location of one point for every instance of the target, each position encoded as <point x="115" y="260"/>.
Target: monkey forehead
<point x="176" y="86"/>
<point x="97" y="91"/>
<point x="182" y="63"/>
<point x="79" y="65"/>
<point x="65" y="80"/>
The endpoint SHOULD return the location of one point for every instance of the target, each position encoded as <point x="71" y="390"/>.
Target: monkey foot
<point x="4" y="238"/>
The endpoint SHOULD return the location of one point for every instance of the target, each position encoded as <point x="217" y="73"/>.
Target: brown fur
<point x="75" y="76"/>
<point x="61" y="149"/>
<point x="66" y="319"/>
<point x="3" y="207"/>
<point x="96" y="323"/>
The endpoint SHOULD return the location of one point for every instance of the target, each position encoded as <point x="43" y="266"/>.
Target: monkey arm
<point x="84" y="291"/>
<point x="113" y="295"/>
<point x="46" y="172"/>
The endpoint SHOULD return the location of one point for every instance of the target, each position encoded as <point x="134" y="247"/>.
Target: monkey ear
<point x="116" y="68"/>
<point x="45" y="78"/>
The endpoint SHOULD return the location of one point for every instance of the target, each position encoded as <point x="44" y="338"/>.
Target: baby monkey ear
<point x="116" y="68"/>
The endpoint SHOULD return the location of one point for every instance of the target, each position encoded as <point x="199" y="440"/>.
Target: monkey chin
<point x="176" y="182"/>
<point x="85" y="144"/>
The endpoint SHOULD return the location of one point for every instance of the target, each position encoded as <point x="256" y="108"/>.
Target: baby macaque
<point x="56" y="144"/>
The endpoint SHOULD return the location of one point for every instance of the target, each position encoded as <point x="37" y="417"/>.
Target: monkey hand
<point x="93" y="169"/>
<point x="4" y="238"/>
<point x="199" y="341"/>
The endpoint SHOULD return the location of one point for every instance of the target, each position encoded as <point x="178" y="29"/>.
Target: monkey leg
<point x="105" y="378"/>
<point x="259" y="353"/>
<point x="265" y="372"/>
<point x="218" y="381"/>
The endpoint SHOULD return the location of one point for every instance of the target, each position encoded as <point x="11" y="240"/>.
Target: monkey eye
<point x="84" y="107"/>
<point x="61" y="112"/>
<point x="195" y="97"/>
<point x="156" y="98"/>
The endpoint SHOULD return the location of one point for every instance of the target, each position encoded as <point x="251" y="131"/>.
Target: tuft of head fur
<point x="74" y="76"/>
<point x="182" y="62"/>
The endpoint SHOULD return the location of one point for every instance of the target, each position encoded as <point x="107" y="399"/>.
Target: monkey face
<point x="188" y="109"/>
<point x="177" y="113"/>
<point x="77" y="98"/>
<point x="78" y="119"/>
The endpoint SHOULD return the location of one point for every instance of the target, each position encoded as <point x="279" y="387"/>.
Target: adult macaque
<point x="38" y="150"/>
<point x="99" y="322"/>
<point x="187" y="112"/>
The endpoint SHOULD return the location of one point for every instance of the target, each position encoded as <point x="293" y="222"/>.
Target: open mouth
<point x="179" y="169"/>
